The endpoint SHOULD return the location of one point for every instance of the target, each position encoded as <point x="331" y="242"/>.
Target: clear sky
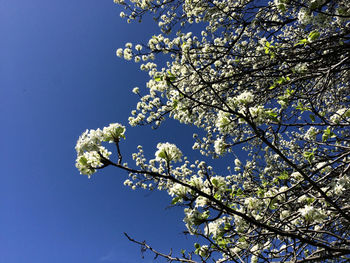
<point x="59" y="76"/>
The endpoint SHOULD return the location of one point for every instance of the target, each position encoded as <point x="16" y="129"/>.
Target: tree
<point x="270" y="78"/>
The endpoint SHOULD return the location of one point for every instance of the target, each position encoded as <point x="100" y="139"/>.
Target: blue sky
<point x="59" y="76"/>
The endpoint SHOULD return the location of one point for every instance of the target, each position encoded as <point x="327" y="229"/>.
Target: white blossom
<point x="119" y="52"/>
<point x="168" y="152"/>
<point x="113" y="132"/>
<point x="220" y="146"/>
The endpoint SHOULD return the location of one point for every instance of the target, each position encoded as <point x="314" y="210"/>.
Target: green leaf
<point x="171" y="76"/>
<point x="273" y="203"/>
<point x="227" y="226"/>
<point x="312" y="117"/>
<point x="175" y="200"/>
<point x="310" y="200"/>
<point x="347" y="113"/>
<point x="302" y="107"/>
<point x="284" y="175"/>
<point x="314" y="35"/>
<point x="290" y="92"/>
<point x="302" y="42"/>
<point x="222" y="242"/>
<point x="306" y="252"/>
<point x="83" y="161"/>
<point x="327" y="134"/>
<point x="162" y="155"/>
<point x="261" y="192"/>
<point x="158" y="78"/>
<point x="239" y="191"/>
<point x="280" y="80"/>
<point x="265" y="184"/>
<point x="282" y="8"/>
<point x="273" y="115"/>
<point x="241" y="239"/>
<point x="217" y="196"/>
<point x="309" y="156"/>
<point x="175" y="103"/>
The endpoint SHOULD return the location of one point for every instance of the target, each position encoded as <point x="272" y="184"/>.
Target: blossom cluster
<point x="90" y="153"/>
<point x="168" y="152"/>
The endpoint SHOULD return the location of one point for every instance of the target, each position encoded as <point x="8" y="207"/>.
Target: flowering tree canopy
<point x="270" y="78"/>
